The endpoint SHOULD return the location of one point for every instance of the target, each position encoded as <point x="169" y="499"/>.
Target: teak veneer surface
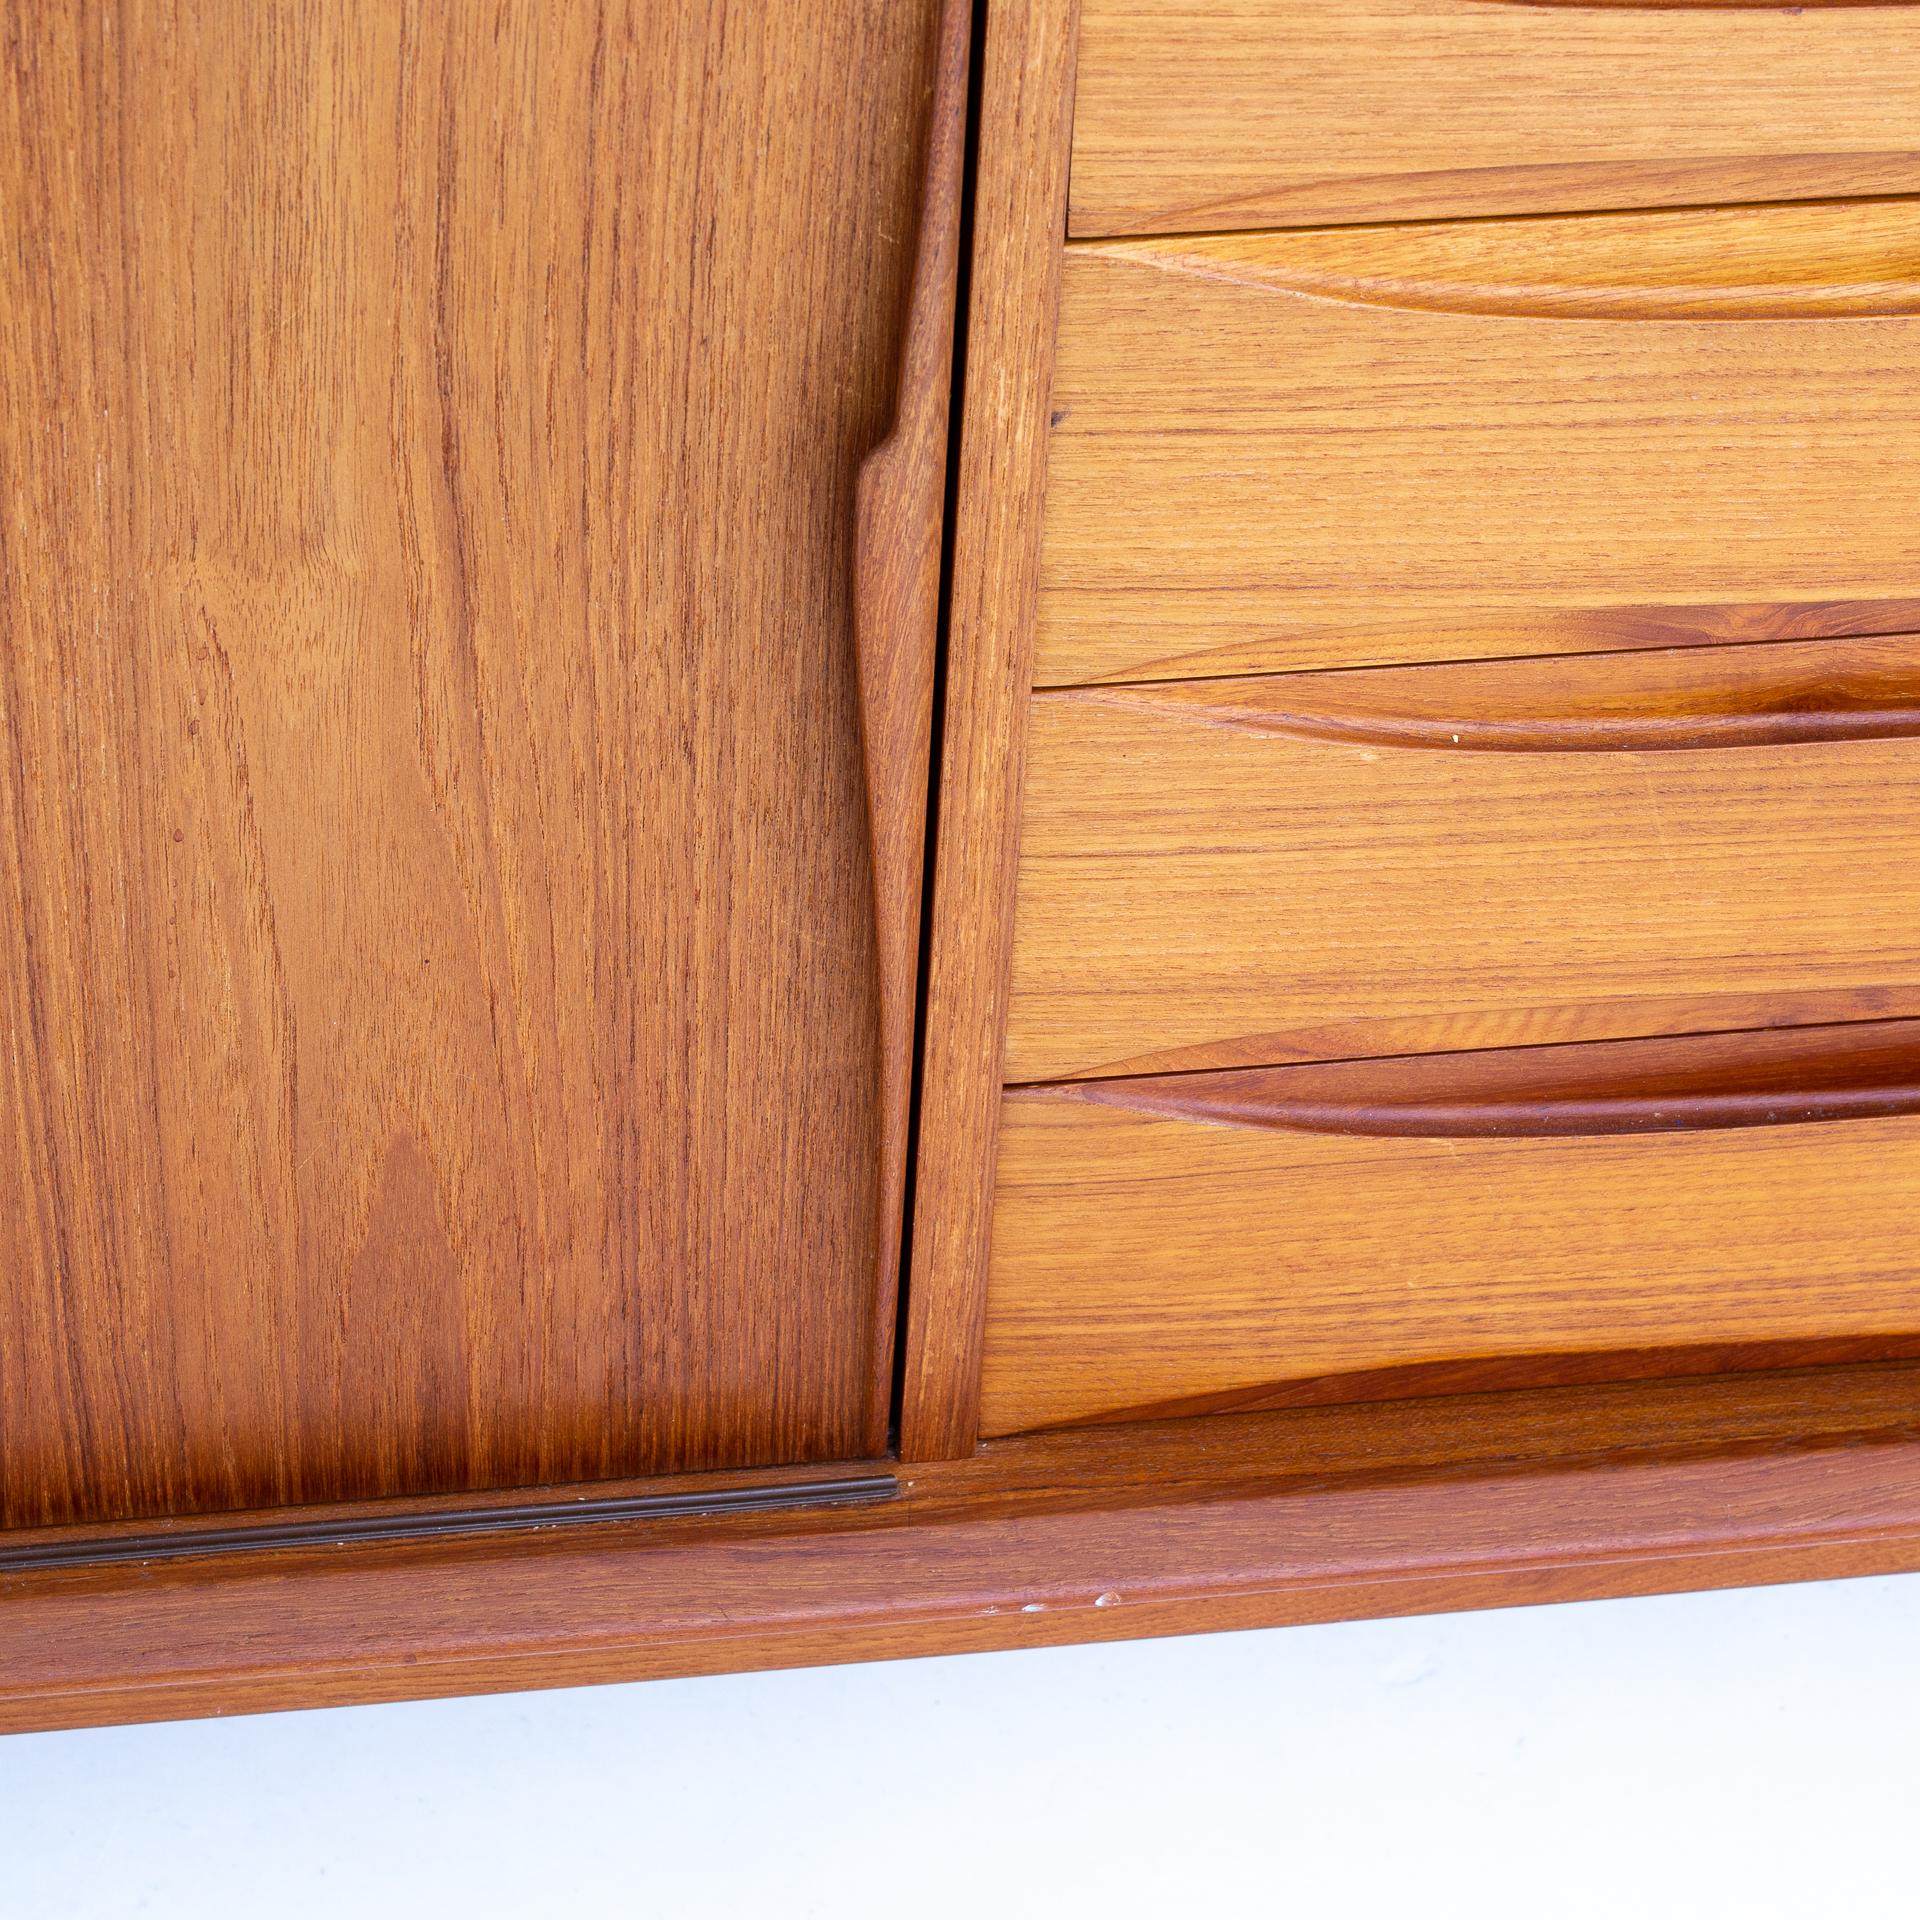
<point x="1225" y="871"/>
<point x="1762" y="1077"/>
<point x="1720" y="263"/>
<point x="437" y="1031"/>
<point x="1242" y="113"/>
<point x="1299" y="450"/>
<point x="1202" y="1237"/>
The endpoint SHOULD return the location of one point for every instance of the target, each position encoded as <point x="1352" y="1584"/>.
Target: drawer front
<point x="1198" y="1242"/>
<point x="1299" y="450"/>
<point x="1241" y="113"/>
<point x="1313" y="865"/>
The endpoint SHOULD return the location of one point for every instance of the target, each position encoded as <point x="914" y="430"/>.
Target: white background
<point x="1736" y="1754"/>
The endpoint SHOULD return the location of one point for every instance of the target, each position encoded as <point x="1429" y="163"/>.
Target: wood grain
<point x="1184" y="1244"/>
<point x="1698" y="3"/>
<point x="1189" y="882"/>
<point x="1019" y="209"/>
<point x="900" y="502"/>
<point x="1774" y="1077"/>
<point x="1322" y="1513"/>
<point x="1789" y="693"/>
<point x="1546" y="1375"/>
<point x="1248" y="477"/>
<point x="436" y="972"/>
<point x="1725" y="263"/>
<point x="1242" y="113"/>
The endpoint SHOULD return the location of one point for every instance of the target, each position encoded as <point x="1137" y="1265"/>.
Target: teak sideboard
<point x="860" y="827"/>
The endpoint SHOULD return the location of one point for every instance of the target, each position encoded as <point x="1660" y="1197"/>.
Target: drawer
<point x="1298" y="450"/>
<point x="1291" y="866"/>
<point x="1240" y="113"/>
<point x="1198" y="1242"/>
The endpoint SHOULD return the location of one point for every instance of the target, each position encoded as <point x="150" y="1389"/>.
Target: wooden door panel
<point x="436" y="969"/>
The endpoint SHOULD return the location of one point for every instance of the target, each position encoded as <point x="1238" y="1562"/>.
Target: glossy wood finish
<point x="1206" y="1236"/>
<point x="900" y="502"/>
<point x="1020" y="200"/>
<point x="1723" y="263"/>
<point x="1787" y="693"/>
<point x="437" y="970"/>
<point x="1235" y="871"/>
<point x="1246" y="113"/>
<point x="1627" y="1369"/>
<point x="1321" y="1513"/>
<point x="1246" y="475"/>
<point x="1775" y="1077"/>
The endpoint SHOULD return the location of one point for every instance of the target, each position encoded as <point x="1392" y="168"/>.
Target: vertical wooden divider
<point x="1020" y="224"/>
